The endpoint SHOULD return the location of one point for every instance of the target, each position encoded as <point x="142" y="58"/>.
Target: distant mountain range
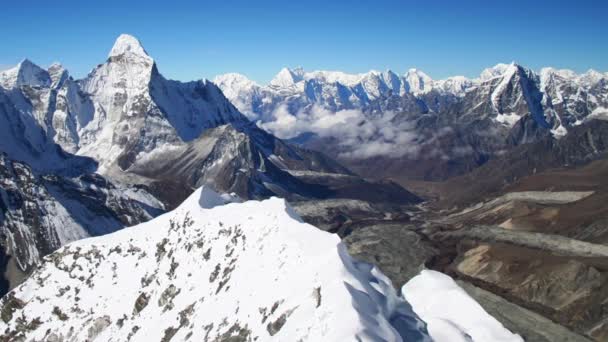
<point x="413" y="127"/>
<point x="581" y="95"/>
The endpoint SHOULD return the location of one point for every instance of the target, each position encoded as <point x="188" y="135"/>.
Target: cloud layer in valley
<point x="358" y="136"/>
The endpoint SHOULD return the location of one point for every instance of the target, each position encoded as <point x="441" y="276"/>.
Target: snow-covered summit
<point x="252" y="270"/>
<point x="135" y="109"/>
<point x="287" y="77"/>
<point x="25" y="73"/>
<point x="127" y="44"/>
<point x="416" y="81"/>
<point x="592" y="77"/>
<point x="58" y="75"/>
<point x="498" y="70"/>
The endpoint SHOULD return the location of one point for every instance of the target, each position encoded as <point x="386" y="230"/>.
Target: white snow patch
<point x="450" y="313"/>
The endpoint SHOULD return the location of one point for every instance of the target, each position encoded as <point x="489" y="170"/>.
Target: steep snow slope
<point x="24" y="73"/>
<point x="207" y="272"/>
<point x="451" y="315"/>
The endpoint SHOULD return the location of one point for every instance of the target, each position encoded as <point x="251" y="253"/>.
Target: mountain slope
<point x="39" y="214"/>
<point x="28" y="128"/>
<point x="133" y="126"/>
<point x="585" y="143"/>
<point x="137" y="111"/>
<point x="203" y="273"/>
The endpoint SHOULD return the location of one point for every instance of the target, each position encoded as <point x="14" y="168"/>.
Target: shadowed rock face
<point x="584" y="144"/>
<point x="255" y="165"/>
<point x="38" y="214"/>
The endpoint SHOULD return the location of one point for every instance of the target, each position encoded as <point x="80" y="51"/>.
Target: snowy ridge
<point x="25" y="73"/>
<point x="334" y="89"/>
<point x="451" y="315"/>
<point x="252" y="270"/>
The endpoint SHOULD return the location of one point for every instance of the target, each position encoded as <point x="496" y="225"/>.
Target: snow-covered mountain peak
<point x="287" y="77"/>
<point x="388" y="73"/>
<point x="457" y="85"/>
<point x="233" y="78"/>
<point x="498" y="70"/>
<point x="135" y="110"/>
<point x="332" y="77"/>
<point x="233" y="83"/>
<point x="563" y="73"/>
<point x="58" y="75"/>
<point x="592" y="77"/>
<point x="25" y="73"/>
<point x="415" y="71"/>
<point x="127" y="44"/>
<point x="417" y="81"/>
<point x="252" y="270"/>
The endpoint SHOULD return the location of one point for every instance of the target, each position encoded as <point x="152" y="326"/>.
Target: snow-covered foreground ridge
<point x="451" y="314"/>
<point x="210" y="271"/>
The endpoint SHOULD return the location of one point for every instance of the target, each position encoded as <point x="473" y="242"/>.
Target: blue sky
<point x="200" y="39"/>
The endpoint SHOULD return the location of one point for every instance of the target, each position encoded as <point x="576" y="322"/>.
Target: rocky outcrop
<point x="397" y="250"/>
<point x="39" y="214"/>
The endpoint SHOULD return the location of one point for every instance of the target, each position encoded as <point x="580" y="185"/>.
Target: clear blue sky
<point x="200" y="39"/>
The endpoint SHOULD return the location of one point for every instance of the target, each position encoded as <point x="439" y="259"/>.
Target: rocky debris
<point x="558" y="245"/>
<point x="530" y="325"/>
<point x="343" y="216"/>
<point x="397" y="250"/>
<point x="557" y="277"/>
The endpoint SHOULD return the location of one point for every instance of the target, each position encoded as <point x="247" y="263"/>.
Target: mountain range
<point x="126" y="127"/>
<point x="119" y="179"/>
<point x="382" y="125"/>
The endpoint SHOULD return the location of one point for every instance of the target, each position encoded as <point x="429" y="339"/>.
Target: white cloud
<point x="358" y="136"/>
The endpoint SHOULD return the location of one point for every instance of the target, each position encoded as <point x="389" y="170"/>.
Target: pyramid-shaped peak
<point x="25" y="73"/>
<point x="126" y="43"/>
<point x="287" y="77"/>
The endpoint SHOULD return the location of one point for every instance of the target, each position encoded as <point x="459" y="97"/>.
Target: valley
<point x="340" y="192"/>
